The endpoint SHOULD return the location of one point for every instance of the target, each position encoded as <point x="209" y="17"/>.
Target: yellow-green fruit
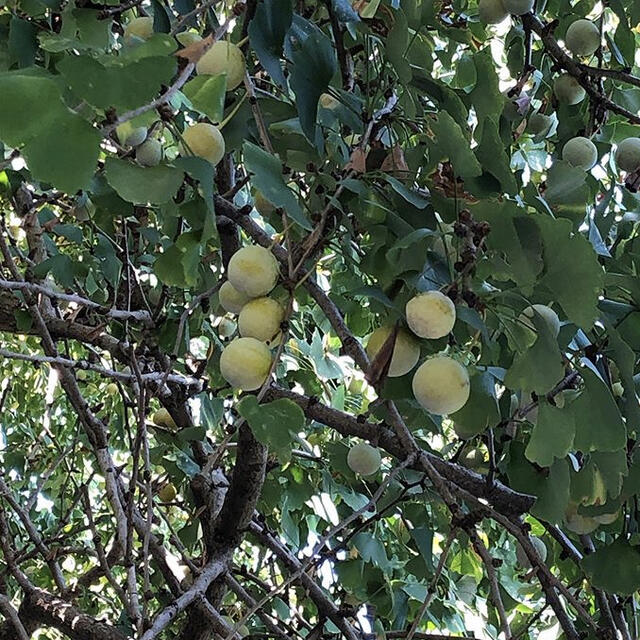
<point x="262" y="205"/>
<point x="253" y="270"/>
<point x="364" y="459"/>
<point x="168" y="493"/>
<point x="162" y="418"/>
<point x="406" y="350"/>
<point x="149" y="153"/>
<point x="204" y="140"/>
<point x="261" y="318"/>
<point x="129" y="135"/>
<point x="441" y="385"/>
<point x="617" y="389"/>
<point x="141" y="27"/>
<point x="582" y="37"/>
<point x="568" y="89"/>
<point x="582" y="525"/>
<point x="431" y="314"/>
<point x="628" y="154"/>
<point x="245" y="363"/>
<point x="186" y="38"/>
<point x="580" y="152"/>
<point x="223" y="57"/>
<point x="518" y="7"/>
<point x="111" y="389"/>
<point x="231" y="299"/>
<point x="606" y="518"/>
<point x="539" y="124"/>
<point x="327" y="101"/>
<point x="541" y="552"/>
<point x="546" y="313"/>
<point x="492" y="11"/>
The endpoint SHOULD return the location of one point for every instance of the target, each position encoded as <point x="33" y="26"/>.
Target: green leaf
<point x="140" y="185"/>
<point x="267" y="31"/>
<point x="448" y="142"/>
<point x="273" y="423"/>
<point x="486" y="95"/>
<point x="123" y="87"/>
<point x="267" y="178"/>
<point x="22" y="42"/>
<point x="207" y="94"/>
<point x="491" y="155"/>
<point x="371" y="550"/>
<point x="572" y="272"/>
<point x="614" y="568"/>
<point x="539" y="367"/>
<point x="567" y="192"/>
<point x="552" y="435"/>
<point x="168" y="267"/>
<point x="599" y="425"/>
<point x="481" y="409"/>
<point x="313" y="66"/>
<point x="396" y="47"/>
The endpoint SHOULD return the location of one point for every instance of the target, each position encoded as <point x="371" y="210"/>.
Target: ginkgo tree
<point x="319" y="319"/>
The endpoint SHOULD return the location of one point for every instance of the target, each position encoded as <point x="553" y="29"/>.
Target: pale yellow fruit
<point x="431" y="314"/>
<point x="492" y="11"/>
<point x="262" y="205"/>
<point x="327" y="101"/>
<point x="111" y="389"/>
<point x="568" y="89"/>
<point x="245" y="363"/>
<point x="168" y="493"/>
<point x="141" y="28"/>
<point x="231" y="299"/>
<point x="129" y="135"/>
<point x="261" y="318"/>
<point x="546" y="313"/>
<point x="580" y="152"/>
<point x="406" y="350"/>
<point x="186" y="38"/>
<point x="162" y="418"/>
<point x="518" y="7"/>
<point x="149" y="153"/>
<point x="523" y="558"/>
<point x="628" y="154"/>
<point x="582" y="37"/>
<point x="364" y="459"/>
<point x="253" y="270"/>
<point x="617" y="389"/>
<point x="441" y="385"/>
<point x="223" y="57"/>
<point x="582" y="525"/>
<point x="205" y="141"/>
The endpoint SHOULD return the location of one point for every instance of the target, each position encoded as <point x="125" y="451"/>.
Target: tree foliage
<point x="375" y="151"/>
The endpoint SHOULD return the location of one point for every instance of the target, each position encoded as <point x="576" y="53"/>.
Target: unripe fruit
<point x="141" y="27"/>
<point x="262" y="205"/>
<point x="582" y="525"/>
<point x="223" y="57"/>
<point x="617" y="389"/>
<point x="261" y="319"/>
<point x="364" y="459"/>
<point x="568" y="89"/>
<point x="162" y="418"/>
<point x="245" y="363"/>
<point x="539" y="124"/>
<point x="606" y="518"/>
<point x="582" y="37"/>
<point x="523" y="558"/>
<point x="441" y="385"/>
<point x="204" y="140"/>
<point x="129" y="135"/>
<point x="186" y="38"/>
<point x="519" y="7"/>
<point x="149" y="153"/>
<point x="327" y="101"/>
<point x="253" y="270"/>
<point x="111" y="389"/>
<point x="231" y="299"/>
<point x="492" y="11"/>
<point x="168" y="493"/>
<point x="580" y="152"/>
<point x="430" y="314"/>
<point x="406" y="350"/>
<point x="628" y="154"/>
<point x="546" y="313"/>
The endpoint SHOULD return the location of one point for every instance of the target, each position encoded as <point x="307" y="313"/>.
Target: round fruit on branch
<point x="406" y="350"/>
<point x="364" y="459"/>
<point x="245" y="363"/>
<point x="441" y="385"/>
<point x="223" y="57"/>
<point x="205" y="141"/>
<point x="431" y="314"/>
<point x="253" y="270"/>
